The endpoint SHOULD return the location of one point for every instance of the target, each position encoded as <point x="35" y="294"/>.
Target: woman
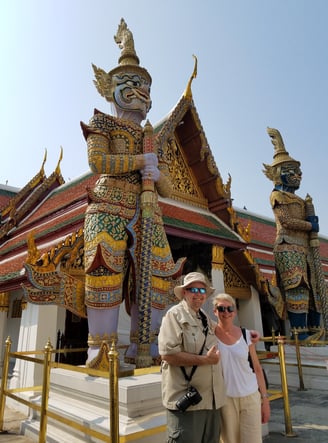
<point x="247" y="404"/>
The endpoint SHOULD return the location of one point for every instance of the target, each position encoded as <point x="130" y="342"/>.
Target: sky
<point x="261" y="63"/>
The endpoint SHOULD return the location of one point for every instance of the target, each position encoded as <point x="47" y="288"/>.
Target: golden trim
<point x="4" y="301"/>
<point x="217" y="258"/>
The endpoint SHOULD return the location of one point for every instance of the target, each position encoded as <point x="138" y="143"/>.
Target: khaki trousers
<point x="241" y="419"/>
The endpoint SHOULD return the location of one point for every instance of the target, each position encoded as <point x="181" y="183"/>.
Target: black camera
<point x="190" y="398"/>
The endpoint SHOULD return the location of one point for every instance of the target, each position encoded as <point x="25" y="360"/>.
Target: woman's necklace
<point x="226" y="336"/>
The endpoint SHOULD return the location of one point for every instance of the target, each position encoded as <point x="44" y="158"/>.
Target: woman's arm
<point x="261" y="384"/>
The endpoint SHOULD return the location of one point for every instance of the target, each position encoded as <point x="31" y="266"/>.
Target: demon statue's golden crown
<point x="280" y="155"/>
<point x="128" y="62"/>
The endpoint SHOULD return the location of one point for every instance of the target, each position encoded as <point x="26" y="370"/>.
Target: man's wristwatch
<point x="265" y="395"/>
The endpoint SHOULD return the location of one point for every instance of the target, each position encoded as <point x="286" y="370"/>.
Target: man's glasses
<point x="225" y="308"/>
<point x="196" y="290"/>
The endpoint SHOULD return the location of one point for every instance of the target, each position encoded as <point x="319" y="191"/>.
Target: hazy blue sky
<point x="260" y="63"/>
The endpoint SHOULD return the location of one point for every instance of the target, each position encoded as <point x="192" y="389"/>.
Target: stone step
<point x="85" y="400"/>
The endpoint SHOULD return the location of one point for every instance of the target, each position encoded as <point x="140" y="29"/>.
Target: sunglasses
<point x="196" y="290"/>
<point x="225" y="308"/>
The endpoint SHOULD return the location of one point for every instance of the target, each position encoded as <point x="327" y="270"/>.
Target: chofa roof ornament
<point x="128" y="63"/>
<point x="280" y="155"/>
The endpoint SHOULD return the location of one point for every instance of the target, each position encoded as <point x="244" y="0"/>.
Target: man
<point x="187" y="339"/>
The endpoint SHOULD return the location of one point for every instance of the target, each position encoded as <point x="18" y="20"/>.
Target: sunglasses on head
<point x="225" y="308"/>
<point x="196" y="290"/>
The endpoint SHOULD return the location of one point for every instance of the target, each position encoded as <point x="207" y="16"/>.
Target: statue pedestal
<point x="84" y="399"/>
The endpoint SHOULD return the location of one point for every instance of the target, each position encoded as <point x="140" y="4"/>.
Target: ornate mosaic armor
<point x="112" y="222"/>
<point x="291" y="252"/>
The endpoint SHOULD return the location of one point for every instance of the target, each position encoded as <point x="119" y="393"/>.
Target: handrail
<point x="47" y="362"/>
<point x="48" y="352"/>
<point x="113" y="374"/>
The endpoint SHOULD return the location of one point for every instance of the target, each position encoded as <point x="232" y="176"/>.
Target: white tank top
<point x="239" y="378"/>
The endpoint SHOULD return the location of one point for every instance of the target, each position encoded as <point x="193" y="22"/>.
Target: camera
<point x="190" y="398"/>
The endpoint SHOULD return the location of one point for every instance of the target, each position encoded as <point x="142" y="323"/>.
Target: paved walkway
<point x="308" y="411"/>
<point x="12" y="420"/>
<point x="309" y="418"/>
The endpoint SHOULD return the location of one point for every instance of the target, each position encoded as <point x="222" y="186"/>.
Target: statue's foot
<point x="156" y="361"/>
<point x="313" y="340"/>
<point x="101" y="361"/>
<point x="150" y="355"/>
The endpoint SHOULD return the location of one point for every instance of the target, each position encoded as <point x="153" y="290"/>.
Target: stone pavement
<point x="309" y="418"/>
<point x="308" y="412"/>
<point x="12" y="420"/>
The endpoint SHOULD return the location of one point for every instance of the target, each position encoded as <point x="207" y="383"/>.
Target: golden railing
<point x="275" y="394"/>
<point x="282" y="341"/>
<point x="297" y="344"/>
<point x="48" y="363"/>
<point x="44" y="389"/>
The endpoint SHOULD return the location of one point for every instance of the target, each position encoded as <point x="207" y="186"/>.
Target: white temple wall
<point x="38" y="325"/>
<point x="249" y="314"/>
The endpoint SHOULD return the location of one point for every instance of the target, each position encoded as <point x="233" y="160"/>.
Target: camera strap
<point x="205" y="331"/>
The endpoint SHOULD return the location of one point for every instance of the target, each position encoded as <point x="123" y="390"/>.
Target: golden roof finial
<point x="44" y="162"/>
<point x="57" y="170"/>
<point x="188" y="93"/>
<point x="32" y="251"/>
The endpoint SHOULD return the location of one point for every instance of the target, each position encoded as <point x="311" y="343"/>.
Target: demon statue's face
<point x="291" y="175"/>
<point x="131" y="94"/>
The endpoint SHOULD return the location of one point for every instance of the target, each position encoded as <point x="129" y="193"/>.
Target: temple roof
<point x="6" y="193"/>
<point x="62" y="213"/>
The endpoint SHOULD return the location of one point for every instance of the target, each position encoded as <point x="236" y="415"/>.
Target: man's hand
<point x="255" y="336"/>
<point x="212" y="356"/>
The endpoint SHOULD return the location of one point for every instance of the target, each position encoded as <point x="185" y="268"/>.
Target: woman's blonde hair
<point x="223" y="297"/>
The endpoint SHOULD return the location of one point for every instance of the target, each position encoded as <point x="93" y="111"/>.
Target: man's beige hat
<point x="193" y="277"/>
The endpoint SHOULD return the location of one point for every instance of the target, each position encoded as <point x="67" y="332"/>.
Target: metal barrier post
<point x="299" y="362"/>
<point x="113" y="393"/>
<point x="45" y="392"/>
<point x="4" y="382"/>
<point x="288" y="422"/>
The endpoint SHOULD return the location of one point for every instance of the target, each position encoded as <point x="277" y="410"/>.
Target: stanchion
<point x="45" y="393"/>
<point x="4" y="382"/>
<point x="299" y="362"/>
<point x="113" y="393"/>
<point x="288" y="422"/>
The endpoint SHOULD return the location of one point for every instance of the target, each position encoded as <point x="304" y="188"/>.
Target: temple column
<point x="217" y="276"/>
<point x="218" y="267"/>
<point x="250" y="313"/>
<point x="4" y="308"/>
<point x="38" y="325"/>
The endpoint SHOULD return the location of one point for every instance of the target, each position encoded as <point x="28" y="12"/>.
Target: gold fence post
<point x="299" y="362"/>
<point x="273" y="332"/>
<point x="113" y="393"/>
<point x="4" y="382"/>
<point x="288" y="422"/>
<point x="45" y="392"/>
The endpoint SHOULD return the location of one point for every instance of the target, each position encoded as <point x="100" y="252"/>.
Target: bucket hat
<point x="190" y="278"/>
